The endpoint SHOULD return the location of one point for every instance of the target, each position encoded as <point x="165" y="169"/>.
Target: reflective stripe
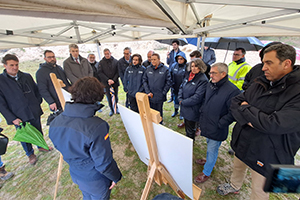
<point x="235" y="73"/>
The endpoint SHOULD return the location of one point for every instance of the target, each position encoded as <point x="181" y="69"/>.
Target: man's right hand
<point x="53" y="107"/>
<point x="110" y="82"/>
<point x="17" y="122"/>
<point x="150" y="95"/>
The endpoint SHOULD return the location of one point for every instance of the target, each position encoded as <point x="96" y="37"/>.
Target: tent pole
<point x="202" y="44"/>
<point x="98" y="44"/>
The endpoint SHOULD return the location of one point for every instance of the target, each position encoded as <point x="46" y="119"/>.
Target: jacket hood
<point x="240" y="61"/>
<point x="45" y="64"/>
<point x="81" y="110"/>
<point x="111" y="58"/>
<point x="159" y="66"/>
<point x="182" y="54"/>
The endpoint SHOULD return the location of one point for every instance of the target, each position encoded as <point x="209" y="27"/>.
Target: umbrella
<point x="113" y="99"/>
<point x="230" y="43"/>
<point x="182" y="41"/>
<point x="28" y="133"/>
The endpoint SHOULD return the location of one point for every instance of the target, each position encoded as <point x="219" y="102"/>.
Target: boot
<point x="4" y="175"/>
<point x="175" y="112"/>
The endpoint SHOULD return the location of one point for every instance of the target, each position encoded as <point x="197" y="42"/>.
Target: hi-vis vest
<point x="237" y="73"/>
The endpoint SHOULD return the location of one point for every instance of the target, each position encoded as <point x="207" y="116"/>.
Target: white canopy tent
<point x="53" y="22"/>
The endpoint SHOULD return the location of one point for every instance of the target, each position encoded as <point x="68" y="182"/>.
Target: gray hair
<point x="199" y="63"/>
<point x="127" y="48"/>
<point x="74" y="46"/>
<point x="222" y="67"/>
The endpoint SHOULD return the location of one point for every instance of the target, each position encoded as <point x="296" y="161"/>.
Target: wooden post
<point x="58" y="84"/>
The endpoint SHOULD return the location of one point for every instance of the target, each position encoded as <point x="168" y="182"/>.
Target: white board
<point x="174" y="149"/>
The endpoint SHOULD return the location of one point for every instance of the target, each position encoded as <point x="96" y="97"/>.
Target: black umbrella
<point x="182" y="41"/>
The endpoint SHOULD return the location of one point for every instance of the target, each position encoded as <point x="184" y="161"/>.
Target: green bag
<point x="28" y="133"/>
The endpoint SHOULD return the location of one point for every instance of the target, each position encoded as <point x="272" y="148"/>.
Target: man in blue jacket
<point x="157" y="82"/>
<point x="215" y="116"/>
<point x="20" y="100"/>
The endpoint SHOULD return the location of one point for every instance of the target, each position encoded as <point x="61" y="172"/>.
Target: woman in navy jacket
<point x="191" y="95"/>
<point x="133" y="80"/>
<point x="83" y="140"/>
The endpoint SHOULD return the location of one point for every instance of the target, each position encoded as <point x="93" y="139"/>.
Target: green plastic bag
<point x="28" y="133"/>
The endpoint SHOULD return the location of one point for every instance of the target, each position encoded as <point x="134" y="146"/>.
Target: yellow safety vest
<point x="237" y="73"/>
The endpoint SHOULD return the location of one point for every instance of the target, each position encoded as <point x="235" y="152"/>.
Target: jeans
<point x="94" y="190"/>
<point x="175" y="100"/>
<point x="1" y="163"/>
<point x="27" y="146"/>
<point x="211" y="155"/>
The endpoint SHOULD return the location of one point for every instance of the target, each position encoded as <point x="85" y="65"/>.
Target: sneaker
<point x="4" y="175"/>
<point x="170" y="100"/>
<point x="111" y="113"/>
<point x="226" y="188"/>
<point x="32" y="159"/>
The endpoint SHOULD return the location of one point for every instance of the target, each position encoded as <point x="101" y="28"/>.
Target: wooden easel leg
<point x="60" y="162"/>
<point x="196" y="192"/>
<point x="149" y="182"/>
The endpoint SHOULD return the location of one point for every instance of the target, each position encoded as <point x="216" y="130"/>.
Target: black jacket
<point x="108" y="69"/>
<point x="146" y="63"/>
<point x="122" y="65"/>
<point x="215" y="115"/>
<point x="19" y="99"/>
<point x="254" y="72"/>
<point x="177" y="72"/>
<point x="133" y="79"/>
<point x="191" y="95"/>
<point x="158" y="82"/>
<point x="95" y="66"/>
<point x="45" y="85"/>
<point x="274" y="112"/>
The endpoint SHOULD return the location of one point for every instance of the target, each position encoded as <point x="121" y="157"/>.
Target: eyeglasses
<point x="49" y="57"/>
<point x="126" y="53"/>
<point x="180" y="58"/>
<point x="213" y="73"/>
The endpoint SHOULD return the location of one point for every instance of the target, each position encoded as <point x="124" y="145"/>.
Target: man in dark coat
<point x="147" y="62"/>
<point x="94" y="64"/>
<point x="268" y="117"/>
<point x="108" y="72"/>
<point x="76" y="66"/>
<point x="157" y="82"/>
<point x="123" y="63"/>
<point x="20" y="100"/>
<point x="215" y="116"/>
<point x="44" y="82"/>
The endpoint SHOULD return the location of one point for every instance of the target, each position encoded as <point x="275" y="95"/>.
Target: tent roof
<point x="53" y="22"/>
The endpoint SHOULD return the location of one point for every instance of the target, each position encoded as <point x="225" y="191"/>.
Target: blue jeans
<point x="1" y="163"/>
<point x="175" y="100"/>
<point x="211" y="155"/>
<point x="94" y="190"/>
<point x="27" y="146"/>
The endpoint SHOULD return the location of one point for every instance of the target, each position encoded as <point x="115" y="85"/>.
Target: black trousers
<point x="190" y="128"/>
<point x="108" y="96"/>
<point x="133" y="103"/>
<point x="158" y="107"/>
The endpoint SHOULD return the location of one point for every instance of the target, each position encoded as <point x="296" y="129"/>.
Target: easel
<point x="58" y="84"/>
<point x="156" y="170"/>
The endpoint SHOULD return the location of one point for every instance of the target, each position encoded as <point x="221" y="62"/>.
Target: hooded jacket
<point x="19" y="99"/>
<point x="215" y="115"/>
<point x="158" y="82"/>
<point x="45" y="84"/>
<point x="274" y="112"/>
<point x="83" y="140"/>
<point x="178" y="72"/>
